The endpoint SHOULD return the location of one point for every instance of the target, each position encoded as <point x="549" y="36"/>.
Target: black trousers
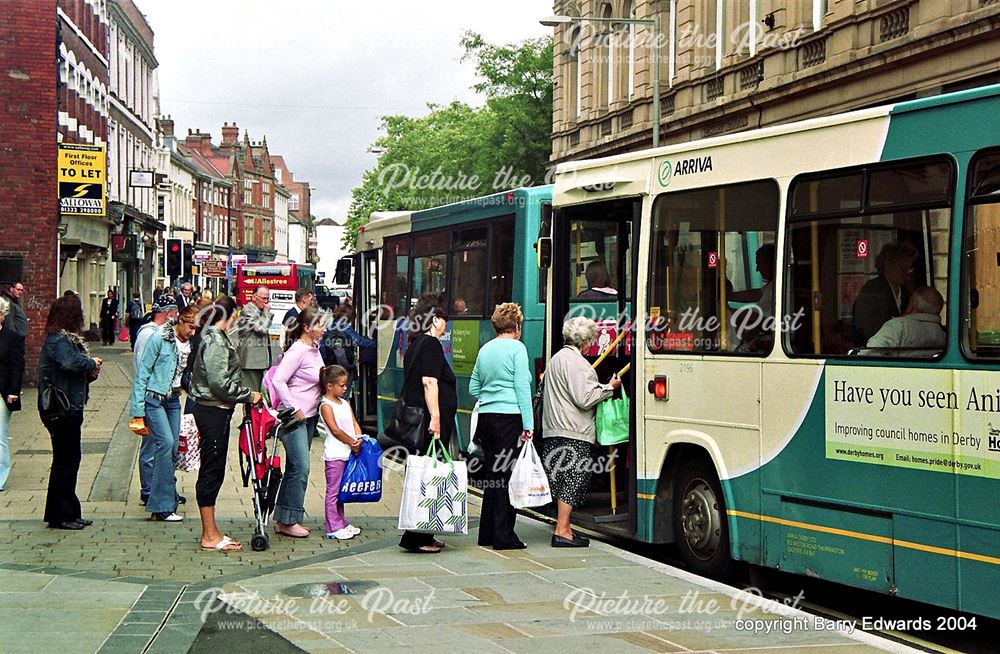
<point x="213" y="429"/>
<point x="108" y="331"/>
<point x="61" y="502"/>
<point x="498" y="434"/>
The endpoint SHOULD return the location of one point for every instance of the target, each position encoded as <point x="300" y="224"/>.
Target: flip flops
<point x="223" y="544"/>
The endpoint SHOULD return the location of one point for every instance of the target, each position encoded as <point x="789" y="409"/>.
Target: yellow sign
<point x="81" y="176"/>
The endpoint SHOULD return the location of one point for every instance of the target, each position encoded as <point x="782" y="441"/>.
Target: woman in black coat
<point x="65" y="365"/>
<point x="11" y="374"/>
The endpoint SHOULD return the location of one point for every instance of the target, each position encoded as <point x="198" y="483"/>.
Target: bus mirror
<point x="544" y="247"/>
<point x="342" y="276"/>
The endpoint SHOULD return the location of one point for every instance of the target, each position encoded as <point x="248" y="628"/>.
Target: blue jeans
<point x="4" y="443"/>
<point x="289" y="507"/>
<point x="163" y="419"/>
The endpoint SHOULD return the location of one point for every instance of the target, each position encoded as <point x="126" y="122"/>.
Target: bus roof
<point x="381" y="225"/>
<point x="485" y="206"/>
<point x="570" y="167"/>
<point x="389" y="223"/>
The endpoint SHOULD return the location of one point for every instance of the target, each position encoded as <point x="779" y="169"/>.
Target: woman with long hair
<point x="65" y="367"/>
<point x="296" y="384"/>
<point x="156" y="403"/>
<point x="429" y="383"/>
<point x="217" y="387"/>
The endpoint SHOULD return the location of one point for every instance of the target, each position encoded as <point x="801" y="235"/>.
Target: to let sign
<point x="81" y="177"/>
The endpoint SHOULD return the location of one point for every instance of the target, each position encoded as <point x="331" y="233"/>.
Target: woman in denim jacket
<point x="64" y="363"/>
<point x="156" y="401"/>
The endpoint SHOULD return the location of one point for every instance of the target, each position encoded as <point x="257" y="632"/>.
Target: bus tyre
<point x="700" y="526"/>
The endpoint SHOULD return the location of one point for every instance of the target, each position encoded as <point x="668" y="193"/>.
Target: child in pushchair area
<point x="342" y="437"/>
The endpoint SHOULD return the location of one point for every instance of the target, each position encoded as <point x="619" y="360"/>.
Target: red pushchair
<point x="260" y="468"/>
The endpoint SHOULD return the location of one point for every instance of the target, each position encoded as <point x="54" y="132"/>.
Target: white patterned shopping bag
<point x="189" y="449"/>
<point x="435" y="494"/>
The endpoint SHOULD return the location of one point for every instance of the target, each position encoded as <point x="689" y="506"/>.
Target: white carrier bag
<point x="529" y="485"/>
<point x="435" y="493"/>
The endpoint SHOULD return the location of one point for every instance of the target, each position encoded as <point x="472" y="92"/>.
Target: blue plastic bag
<point x="362" y="480"/>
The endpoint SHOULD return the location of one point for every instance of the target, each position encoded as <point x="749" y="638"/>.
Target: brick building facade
<point x="82" y="116"/>
<point x="29" y="210"/>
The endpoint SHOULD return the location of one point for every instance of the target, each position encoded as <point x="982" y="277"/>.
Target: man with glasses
<point x="16" y="320"/>
<point x="254" y="347"/>
<point x="186" y="296"/>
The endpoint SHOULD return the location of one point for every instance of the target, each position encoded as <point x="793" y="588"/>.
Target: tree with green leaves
<point x="457" y="152"/>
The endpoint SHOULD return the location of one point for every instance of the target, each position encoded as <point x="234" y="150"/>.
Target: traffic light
<point x="175" y="258"/>
<point x="188" y="260"/>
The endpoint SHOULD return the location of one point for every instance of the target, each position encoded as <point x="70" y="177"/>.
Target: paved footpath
<point x="128" y="585"/>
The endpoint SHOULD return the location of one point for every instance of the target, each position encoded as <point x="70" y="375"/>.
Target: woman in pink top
<point x="296" y="385"/>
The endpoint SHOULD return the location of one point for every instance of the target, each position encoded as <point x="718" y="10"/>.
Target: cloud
<point x="315" y="77"/>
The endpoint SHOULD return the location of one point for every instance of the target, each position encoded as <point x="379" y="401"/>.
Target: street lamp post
<point x="555" y="21"/>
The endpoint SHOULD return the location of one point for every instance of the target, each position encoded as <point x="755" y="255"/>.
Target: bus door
<point x="367" y="306"/>
<point x="593" y="276"/>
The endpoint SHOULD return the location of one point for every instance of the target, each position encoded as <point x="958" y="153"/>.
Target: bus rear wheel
<point x="700" y="526"/>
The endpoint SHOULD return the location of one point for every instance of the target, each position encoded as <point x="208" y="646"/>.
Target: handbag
<point x="406" y="426"/>
<point x="435" y="493"/>
<point x="406" y="423"/>
<point x="362" y="480"/>
<point x="53" y="403"/>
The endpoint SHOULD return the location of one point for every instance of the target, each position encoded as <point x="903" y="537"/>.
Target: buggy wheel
<point x="259" y="543"/>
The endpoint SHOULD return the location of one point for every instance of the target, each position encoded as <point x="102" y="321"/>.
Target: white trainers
<point x="340" y="534"/>
<point x="166" y="517"/>
<point x="353" y="529"/>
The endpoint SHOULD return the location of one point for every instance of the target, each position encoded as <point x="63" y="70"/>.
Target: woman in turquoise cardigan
<point x="501" y="380"/>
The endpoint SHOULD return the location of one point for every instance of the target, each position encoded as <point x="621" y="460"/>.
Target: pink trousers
<point x="335" y="520"/>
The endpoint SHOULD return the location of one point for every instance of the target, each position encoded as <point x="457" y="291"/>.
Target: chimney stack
<point x="230" y="134"/>
<point x="166" y="126"/>
<point x="200" y="141"/>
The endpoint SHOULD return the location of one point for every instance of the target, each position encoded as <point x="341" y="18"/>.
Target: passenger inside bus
<point x="598" y="283"/>
<point x="885" y="296"/>
<point x="753" y="327"/>
<point x="918" y="332"/>
<point x="460" y="308"/>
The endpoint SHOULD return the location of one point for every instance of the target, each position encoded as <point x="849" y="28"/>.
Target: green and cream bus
<point x="762" y="428"/>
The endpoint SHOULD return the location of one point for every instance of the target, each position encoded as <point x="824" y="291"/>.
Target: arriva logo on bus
<point x="668" y="171"/>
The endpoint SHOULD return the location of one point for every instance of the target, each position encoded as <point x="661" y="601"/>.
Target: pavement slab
<point x="127" y="585"/>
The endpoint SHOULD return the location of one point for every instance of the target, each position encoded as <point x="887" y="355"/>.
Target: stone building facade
<point x="732" y="65"/>
<point x="132" y="108"/>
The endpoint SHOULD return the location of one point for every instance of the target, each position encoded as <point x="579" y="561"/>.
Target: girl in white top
<point x="342" y="436"/>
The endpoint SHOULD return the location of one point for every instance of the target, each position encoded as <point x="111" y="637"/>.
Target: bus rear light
<point x="659" y="388"/>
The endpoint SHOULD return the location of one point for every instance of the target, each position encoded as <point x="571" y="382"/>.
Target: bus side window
<point x="981" y="319"/>
<point x="468" y="272"/>
<point x="502" y="273"/>
<point x="395" y="275"/>
<point x="711" y="286"/>
<point x="867" y="271"/>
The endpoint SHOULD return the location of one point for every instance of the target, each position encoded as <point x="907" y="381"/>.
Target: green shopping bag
<point x="612" y="421"/>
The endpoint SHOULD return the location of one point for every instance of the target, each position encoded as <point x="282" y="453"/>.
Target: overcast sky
<point x="315" y="76"/>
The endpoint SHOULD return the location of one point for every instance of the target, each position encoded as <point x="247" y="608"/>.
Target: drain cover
<point x="325" y="589"/>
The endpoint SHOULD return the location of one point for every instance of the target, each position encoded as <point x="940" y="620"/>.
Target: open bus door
<point x="366" y="298"/>
<point x="594" y="274"/>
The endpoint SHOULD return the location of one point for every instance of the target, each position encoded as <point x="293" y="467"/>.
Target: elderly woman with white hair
<point x="572" y="392"/>
<point x="11" y="376"/>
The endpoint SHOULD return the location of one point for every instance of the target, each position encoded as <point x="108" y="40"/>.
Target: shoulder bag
<point x="53" y="403"/>
<point x="406" y="423"/>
